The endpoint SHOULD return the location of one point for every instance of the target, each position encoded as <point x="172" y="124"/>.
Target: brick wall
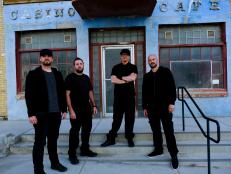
<point x="3" y="90"/>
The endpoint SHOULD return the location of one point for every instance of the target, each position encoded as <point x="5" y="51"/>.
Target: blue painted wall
<point x="216" y="106"/>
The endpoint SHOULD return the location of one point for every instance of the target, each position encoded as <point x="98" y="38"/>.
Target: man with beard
<point x="123" y="77"/>
<point x="158" y="97"/>
<point x="81" y="104"/>
<point x="46" y="105"/>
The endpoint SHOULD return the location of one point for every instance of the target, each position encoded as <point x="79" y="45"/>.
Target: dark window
<point x="29" y="43"/>
<point x="195" y="54"/>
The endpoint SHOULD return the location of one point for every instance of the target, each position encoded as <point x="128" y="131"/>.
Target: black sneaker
<point x="131" y="143"/>
<point x="59" y="167"/>
<point x="175" y="162"/>
<point x="88" y="153"/>
<point x="155" y="153"/>
<point x="107" y="143"/>
<point x="40" y="171"/>
<point x="74" y="160"/>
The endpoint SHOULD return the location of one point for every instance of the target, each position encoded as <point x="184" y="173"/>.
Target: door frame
<point x="103" y="82"/>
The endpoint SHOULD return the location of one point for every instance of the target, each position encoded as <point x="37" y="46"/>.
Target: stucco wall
<point x="216" y="106"/>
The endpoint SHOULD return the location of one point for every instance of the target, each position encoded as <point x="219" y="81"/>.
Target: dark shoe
<point x="88" y="153"/>
<point x="59" y="167"/>
<point x="74" y="160"/>
<point x="175" y="162"/>
<point x="155" y="153"/>
<point x="131" y="143"/>
<point x="107" y="143"/>
<point x="41" y="171"/>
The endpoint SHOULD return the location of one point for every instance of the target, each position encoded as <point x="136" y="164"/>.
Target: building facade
<point x="3" y="90"/>
<point x="191" y="37"/>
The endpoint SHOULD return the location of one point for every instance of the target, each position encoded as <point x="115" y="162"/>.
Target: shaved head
<point x="153" y="61"/>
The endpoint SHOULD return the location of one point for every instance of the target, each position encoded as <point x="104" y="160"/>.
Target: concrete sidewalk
<point x="14" y="164"/>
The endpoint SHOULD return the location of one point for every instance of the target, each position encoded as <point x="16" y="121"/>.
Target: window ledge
<point x="200" y="93"/>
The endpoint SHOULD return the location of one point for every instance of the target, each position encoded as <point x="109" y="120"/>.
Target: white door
<point x="111" y="57"/>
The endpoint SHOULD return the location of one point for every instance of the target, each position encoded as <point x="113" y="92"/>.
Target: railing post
<point x="208" y="147"/>
<point x="182" y="97"/>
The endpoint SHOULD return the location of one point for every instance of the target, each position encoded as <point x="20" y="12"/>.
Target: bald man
<point x="158" y="99"/>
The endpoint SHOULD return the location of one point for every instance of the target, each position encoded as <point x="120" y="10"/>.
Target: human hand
<point x="171" y="108"/>
<point x="95" y="110"/>
<point x="64" y="115"/>
<point x="145" y="112"/>
<point x="72" y="115"/>
<point x="33" y="120"/>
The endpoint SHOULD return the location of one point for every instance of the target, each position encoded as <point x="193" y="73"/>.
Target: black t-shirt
<point x="127" y="89"/>
<point x="79" y="87"/>
<point x="53" y="105"/>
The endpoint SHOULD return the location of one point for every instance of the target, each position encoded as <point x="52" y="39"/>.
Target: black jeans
<point x="84" y="121"/>
<point x="160" y="114"/>
<point x="120" y="107"/>
<point x="47" y="126"/>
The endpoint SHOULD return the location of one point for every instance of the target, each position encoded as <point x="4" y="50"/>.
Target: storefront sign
<point x="38" y="14"/>
<point x="195" y="4"/>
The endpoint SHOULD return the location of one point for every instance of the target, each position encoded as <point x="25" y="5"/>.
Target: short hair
<point x="46" y="52"/>
<point x="77" y="58"/>
<point x="153" y="55"/>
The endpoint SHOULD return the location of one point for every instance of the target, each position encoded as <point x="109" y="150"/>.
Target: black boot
<point x="88" y="152"/>
<point x="108" y="143"/>
<point x="59" y="167"/>
<point x="131" y="143"/>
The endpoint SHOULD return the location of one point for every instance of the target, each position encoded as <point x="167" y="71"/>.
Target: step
<point x="188" y="155"/>
<point x="141" y="147"/>
<point x="138" y="136"/>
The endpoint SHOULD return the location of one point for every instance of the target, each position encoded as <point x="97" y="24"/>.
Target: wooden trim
<point x="137" y="81"/>
<point x="117" y="43"/>
<point x="208" y="92"/>
<point x="18" y="63"/>
<point x="192" y="45"/>
<point x="116" y="28"/>
<point x="53" y="49"/>
<point x="100" y="79"/>
<point x="91" y="64"/>
<point x="224" y="55"/>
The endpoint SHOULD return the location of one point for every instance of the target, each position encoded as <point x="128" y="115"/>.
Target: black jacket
<point x="158" y="88"/>
<point x="36" y="92"/>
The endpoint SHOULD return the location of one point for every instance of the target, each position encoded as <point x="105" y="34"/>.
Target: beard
<point x="153" y="65"/>
<point x="46" y="63"/>
<point x="79" y="71"/>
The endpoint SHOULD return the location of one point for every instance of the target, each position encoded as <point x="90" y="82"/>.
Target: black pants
<point x="47" y="126"/>
<point x="157" y="115"/>
<point x="84" y="121"/>
<point x="125" y="106"/>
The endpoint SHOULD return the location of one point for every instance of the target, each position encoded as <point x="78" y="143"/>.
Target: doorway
<point x="110" y="57"/>
<point x="105" y="46"/>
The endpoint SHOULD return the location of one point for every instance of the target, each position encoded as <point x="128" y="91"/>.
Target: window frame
<point x="19" y="51"/>
<point x="205" y="92"/>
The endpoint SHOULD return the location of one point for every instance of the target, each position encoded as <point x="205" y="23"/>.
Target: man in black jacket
<point x="46" y="106"/>
<point x="158" y="97"/>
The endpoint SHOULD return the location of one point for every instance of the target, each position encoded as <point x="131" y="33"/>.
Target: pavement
<point x="15" y="164"/>
<point x="22" y="163"/>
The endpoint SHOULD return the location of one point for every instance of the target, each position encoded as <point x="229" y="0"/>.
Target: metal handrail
<point x="208" y="120"/>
